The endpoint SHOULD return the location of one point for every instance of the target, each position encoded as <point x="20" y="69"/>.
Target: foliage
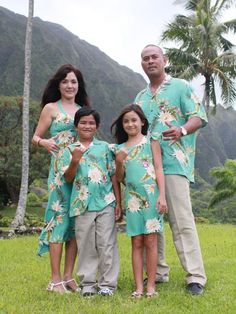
<point x="33" y="220"/>
<point x="25" y="293"/>
<point x="203" y="48"/>
<point x="33" y="200"/>
<point x="201" y="195"/>
<point x="10" y="147"/>
<point x="225" y="187"/>
<point x="5" y="221"/>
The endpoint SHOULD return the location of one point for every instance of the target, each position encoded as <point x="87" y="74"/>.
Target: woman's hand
<point x="49" y="144"/>
<point x="161" y="205"/>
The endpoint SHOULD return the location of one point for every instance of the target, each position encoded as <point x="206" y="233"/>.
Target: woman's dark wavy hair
<point x="52" y="94"/>
<point x="120" y="135"/>
<point x="86" y="111"/>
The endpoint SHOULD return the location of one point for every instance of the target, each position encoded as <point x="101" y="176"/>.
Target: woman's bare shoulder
<point x="51" y="108"/>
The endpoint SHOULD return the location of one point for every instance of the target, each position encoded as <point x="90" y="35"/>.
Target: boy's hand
<point x="118" y="212"/>
<point x="77" y="153"/>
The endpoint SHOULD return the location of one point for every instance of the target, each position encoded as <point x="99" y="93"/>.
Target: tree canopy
<point x="225" y="186"/>
<point x="203" y="49"/>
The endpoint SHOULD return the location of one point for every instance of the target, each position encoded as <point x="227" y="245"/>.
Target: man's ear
<point x="166" y="60"/>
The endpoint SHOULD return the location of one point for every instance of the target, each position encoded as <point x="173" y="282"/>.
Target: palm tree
<point x="225" y="186"/>
<point x="20" y="211"/>
<point x="203" y="48"/>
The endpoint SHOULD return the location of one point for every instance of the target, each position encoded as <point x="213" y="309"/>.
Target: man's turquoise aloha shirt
<point x="92" y="187"/>
<point x="175" y="102"/>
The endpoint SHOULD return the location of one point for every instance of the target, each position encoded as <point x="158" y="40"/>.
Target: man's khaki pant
<point x="97" y="250"/>
<point x="184" y="232"/>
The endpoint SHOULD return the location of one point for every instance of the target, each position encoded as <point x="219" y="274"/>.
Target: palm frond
<point x="231" y="25"/>
<point x="219" y="197"/>
<point x="212" y="91"/>
<point x="225" y="43"/>
<point x="203" y="47"/>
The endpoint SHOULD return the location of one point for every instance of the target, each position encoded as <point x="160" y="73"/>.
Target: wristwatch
<point x="183" y="131"/>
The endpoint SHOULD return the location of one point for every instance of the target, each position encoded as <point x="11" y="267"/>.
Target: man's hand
<point x="173" y="134"/>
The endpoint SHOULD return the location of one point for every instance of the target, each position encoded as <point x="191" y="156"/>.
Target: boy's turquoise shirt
<point x="92" y="187"/>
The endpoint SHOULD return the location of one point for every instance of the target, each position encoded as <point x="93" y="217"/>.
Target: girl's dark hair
<point x="86" y="111"/>
<point x="52" y="93"/>
<point x="120" y="135"/>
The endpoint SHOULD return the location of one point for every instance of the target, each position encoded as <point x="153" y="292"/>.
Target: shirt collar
<point x="164" y="82"/>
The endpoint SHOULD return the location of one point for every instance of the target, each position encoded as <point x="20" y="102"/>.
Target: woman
<point x="64" y="94"/>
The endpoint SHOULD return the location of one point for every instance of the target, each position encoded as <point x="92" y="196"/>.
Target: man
<point x="175" y="114"/>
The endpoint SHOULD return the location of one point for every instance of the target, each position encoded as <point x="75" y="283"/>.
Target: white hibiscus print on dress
<point x="57" y="180"/>
<point x="134" y="204"/>
<point x="150" y="188"/>
<point x="56" y="206"/>
<point x="153" y="225"/>
<point x="151" y="171"/>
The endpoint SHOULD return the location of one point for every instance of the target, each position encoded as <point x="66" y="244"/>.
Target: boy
<point x="95" y="202"/>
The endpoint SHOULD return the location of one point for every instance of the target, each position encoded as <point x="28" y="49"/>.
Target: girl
<point x="139" y="167"/>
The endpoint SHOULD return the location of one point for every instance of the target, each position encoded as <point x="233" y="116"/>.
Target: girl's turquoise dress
<point x="141" y="191"/>
<point x="59" y="227"/>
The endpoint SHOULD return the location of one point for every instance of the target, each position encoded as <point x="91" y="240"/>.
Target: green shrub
<point x="33" y="200"/>
<point x="32" y="220"/>
<point x="5" y="221"/>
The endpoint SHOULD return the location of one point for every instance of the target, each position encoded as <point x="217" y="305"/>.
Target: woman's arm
<point x="44" y="123"/>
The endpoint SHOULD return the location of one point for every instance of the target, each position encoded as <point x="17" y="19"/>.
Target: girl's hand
<point x="121" y="155"/>
<point x="50" y="145"/>
<point x="161" y="205"/>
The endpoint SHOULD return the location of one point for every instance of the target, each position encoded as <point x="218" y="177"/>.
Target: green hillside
<point x="109" y="84"/>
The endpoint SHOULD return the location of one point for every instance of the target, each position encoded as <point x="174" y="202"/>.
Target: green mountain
<point x="110" y="85"/>
<point x="216" y="141"/>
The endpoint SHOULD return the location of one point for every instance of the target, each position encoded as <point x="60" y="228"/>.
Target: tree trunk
<point x="13" y="192"/>
<point x="20" y="211"/>
<point x="207" y="93"/>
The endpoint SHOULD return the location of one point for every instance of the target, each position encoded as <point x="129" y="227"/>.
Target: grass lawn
<point x="24" y="277"/>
